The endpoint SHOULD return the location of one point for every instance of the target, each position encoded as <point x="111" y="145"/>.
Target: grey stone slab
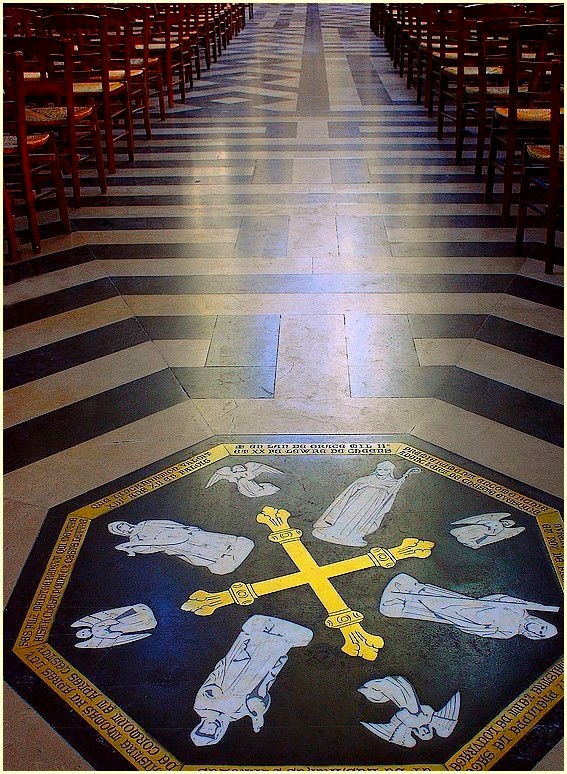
<point x="379" y="338"/>
<point x="350" y="171"/>
<point x="227" y="382"/>
<point x="250" y="340"/>
<point x="178" y="327"/>
<point x="262" y="236"/>
<point x="361" y="235"/>
<point x="446" y="326"/>
<point x="272" y="171"/>
<point x="399" y="382"/>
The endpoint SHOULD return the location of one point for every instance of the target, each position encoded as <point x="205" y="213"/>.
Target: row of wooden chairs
<point x="88" y="73"/>
<point x="491" y="70"/>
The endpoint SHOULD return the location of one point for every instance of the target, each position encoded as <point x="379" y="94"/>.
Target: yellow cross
<point x="358" y="642"/>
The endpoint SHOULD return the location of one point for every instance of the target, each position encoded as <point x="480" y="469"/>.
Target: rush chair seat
<point x="542" y="178"/>
<point x="31" y="164"/>
<point x="50" y="106"/>
<point x="91" y="77"/>
<point x="525" y="117"/>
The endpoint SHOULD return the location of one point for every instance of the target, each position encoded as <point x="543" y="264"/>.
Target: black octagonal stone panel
<point x="297" y="602"/>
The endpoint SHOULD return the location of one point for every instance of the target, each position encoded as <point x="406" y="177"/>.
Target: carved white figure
<point x="115" y="627"/>
<point x="477" y="531"/>
<point x="413" y="720"/>
<point x="239" y="684"/>
<point x="360" y="509"/>
<point x="498" y="615"/>
<point x="243" y="476"/>
<point x="220" y="553"/>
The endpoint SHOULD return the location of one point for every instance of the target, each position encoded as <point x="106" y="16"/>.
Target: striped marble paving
<point x="292" y="252"/>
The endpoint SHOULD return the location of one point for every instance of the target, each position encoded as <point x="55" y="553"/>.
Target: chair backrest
<point x="534" y="48"/>
<point x="14" y="116"/>
<point x="20" y="21"/>
<point x="51" y="62"/>
<point x="557" y="123"/>
<point x="88" y="34"/>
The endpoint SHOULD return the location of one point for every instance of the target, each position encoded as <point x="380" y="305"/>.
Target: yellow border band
<point x="106" y="717"/>
<point x="40" y="615"/>
<point x="497" y="738"/>
<point x="151" y="483"/>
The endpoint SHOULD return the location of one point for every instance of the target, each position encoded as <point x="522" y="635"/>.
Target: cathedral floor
<point x="290" y="299"/>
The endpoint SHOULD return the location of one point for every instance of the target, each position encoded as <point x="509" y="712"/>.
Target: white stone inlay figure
<point x="498" y="615"/>
<point x="360" y="509"/>
<point x="115" y="627"/>
<point x="413" y="720"/>
<point x="220" y="553"/>
<point x="243" y="476"/>
<point x="239" y="684"/>
<point x="477" y="531"/>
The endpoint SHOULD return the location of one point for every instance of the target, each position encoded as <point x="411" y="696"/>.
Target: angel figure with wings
<point x="477" y="531"/>
<point x="413" y="720"/>
<point x="115" y="627"/>
<point x="244" y="477"/>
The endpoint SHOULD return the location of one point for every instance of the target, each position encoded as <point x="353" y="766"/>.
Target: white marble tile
<point x="302" y="303"/>
<point x="235" y="265"/>
<point x="311" y="170"/>
<point x="432" y="352"/>
<point x="183" y="353"/>
<point x="312" y="357"/>
<point x="349" y="415"/>
<point x="313" y="236"/>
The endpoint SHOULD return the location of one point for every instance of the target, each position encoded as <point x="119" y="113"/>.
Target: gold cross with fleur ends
<point x="358" y="642"/>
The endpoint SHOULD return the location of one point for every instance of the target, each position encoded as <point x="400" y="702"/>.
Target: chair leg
<point x="441" y="106"/>
<point x="480" y="141"/>
<point x="522" y="211"/>
<point x="460" y="130"/>
<point x="550" y="231"/>
<point x="97" y="142"/>
<point x="491" y="170"/>
<point x="509" y="160"/>
<point x="59" y="188"/>
<point x="14" y="253"/>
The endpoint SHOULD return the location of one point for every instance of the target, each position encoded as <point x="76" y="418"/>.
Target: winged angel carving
<point x="413" y="720"/>
<point x="477" y="531"/>
<point x="115" y="627"/>
<point x="244" y="477"/>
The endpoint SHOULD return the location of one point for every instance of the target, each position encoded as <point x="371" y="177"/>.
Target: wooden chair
<point x="20" y="22"/>
<point x="31" y="164"/>
<point x="165" y="43"/>
<point x="542" y="173"/>
<point x="50" y="106"/>
<point x="121" y="42"/>
<point x="438" y="50"/>
<point x="487" y="83"/>
<point x="525" y="116"/>
<point x="91" y="74"/>
<point x="142" y="56"/>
